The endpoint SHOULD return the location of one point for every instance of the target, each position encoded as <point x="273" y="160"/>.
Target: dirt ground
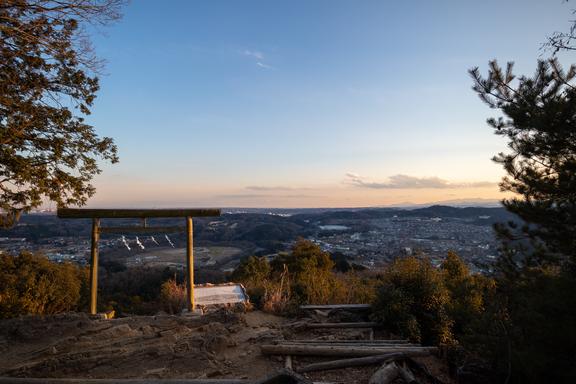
<point x="218" y="345"/>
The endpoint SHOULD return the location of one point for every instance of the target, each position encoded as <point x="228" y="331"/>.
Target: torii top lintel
<point x="81" y="213"/>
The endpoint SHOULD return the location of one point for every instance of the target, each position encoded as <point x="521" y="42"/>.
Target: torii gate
<point x="97" y="214"/>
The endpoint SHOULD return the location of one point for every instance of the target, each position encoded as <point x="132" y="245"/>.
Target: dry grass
<point x="173" y="296"/>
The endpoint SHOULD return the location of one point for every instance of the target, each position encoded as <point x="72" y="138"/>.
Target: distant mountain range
<point x="478" y="202"/>
<point x="457" y="203"/>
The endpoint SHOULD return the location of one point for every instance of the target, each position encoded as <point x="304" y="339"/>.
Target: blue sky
<point x="307" y="103"/>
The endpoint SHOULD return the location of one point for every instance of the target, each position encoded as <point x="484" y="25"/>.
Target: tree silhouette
<point x="48" y="83"/>
<point x="539" y="120"/>
<point x="529" y="325"/>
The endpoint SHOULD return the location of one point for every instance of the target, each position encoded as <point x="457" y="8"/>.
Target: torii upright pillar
<point x="94" y="265"/>
<point x="190" y="263"/>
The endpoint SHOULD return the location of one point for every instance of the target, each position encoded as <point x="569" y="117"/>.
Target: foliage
<point x="31" y="284"/>
<point x="530" y="325"/>
<point x="539" y="122"/>
<point x="412" y="301"/>
<point x="468" y="294"/>
<point x="310" y="271"/>
<point x="305" y="275"/>
<point x="47" y="86"/>
<point x="562" y="41"/>
<point x="135" y="290"/>
<point x="254" y="274"/>
<point x="355" y="287"/>
<point x="173" y="296"/>
<point x="540" y="331"/>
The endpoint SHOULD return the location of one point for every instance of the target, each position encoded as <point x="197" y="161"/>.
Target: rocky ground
<point x="218" y="345"/>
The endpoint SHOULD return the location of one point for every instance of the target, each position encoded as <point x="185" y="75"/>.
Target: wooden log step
<point x="336" y="306"/>
<point x="400" y="346"/>
<point x="351" y="342"/>
<point x="353" y="362"/>
<point x="350" y="351"/>
<point x="27" y="380"/>
<point x="343" y="325"/>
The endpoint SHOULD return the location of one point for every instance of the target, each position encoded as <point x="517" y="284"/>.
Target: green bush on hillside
<point x="430" y="305"/>
<point x="306" y="275"/>
<point x="412" y="301"/>
<point x="32" y="285"/>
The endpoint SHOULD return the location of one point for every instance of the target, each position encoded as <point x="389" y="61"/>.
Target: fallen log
<point x="27" y="380"/>
<point x="351" y="342"/>
<point x="343" y="325"/>
<point x="336" y="306"/>
<point x="354" y="362"/>
<point x="322" y="350"/>
<point x="365" y="345"/>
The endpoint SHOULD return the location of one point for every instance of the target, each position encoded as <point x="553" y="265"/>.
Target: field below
<point x="203" y="256"/>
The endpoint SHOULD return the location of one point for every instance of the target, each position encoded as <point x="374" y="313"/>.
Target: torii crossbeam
<point x="97" y="214"/>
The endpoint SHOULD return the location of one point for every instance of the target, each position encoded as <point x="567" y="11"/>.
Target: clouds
<point x="262" y="65"/>
<point x="255" y="54"/>
<point x="412" y="182"/>
<point x="270" y="188"/>
<point x="258" y="58"/>
<point x="256" y="197"/>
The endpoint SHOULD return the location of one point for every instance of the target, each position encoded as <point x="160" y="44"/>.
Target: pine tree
<point x="535" y="308"/>
<point x="539" y="120"/>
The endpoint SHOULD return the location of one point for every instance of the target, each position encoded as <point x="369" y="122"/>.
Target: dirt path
<point x="215" y="346"/>
<point x="219" y="345"/>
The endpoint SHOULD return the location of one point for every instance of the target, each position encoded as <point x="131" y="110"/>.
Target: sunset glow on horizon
<point x="306" y="104"/>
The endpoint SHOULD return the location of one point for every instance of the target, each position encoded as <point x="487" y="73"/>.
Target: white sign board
<point x="219" y="294"/>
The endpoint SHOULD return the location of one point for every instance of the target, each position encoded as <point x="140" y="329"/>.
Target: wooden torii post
<point x="97" y="214"/>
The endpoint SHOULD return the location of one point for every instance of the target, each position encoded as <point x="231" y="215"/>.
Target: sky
<point x="307" y="103"/>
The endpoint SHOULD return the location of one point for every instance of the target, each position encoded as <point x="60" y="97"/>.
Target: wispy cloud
<point x="411" y="182"/>
<point x="258" y="57"/>
<point x="255" y="54"/>
<point x="266" y="196"/>
<point x="262" y="65"/>
<point x="273" y="188"/>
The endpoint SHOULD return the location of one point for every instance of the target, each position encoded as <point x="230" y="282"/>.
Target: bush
<point x="133" y="291"/>
<point x="304" y="276"/>
<point x="254" y="274"/>
<point x="31" y="284"/>
<point x="412" y="301"/>
<point x="527" y="332"/>
<point x="173" y="296"/>
<point x="311" y="273"/>
<point x="468" y="294"/>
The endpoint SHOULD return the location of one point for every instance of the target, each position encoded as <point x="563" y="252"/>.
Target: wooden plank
<point x="30" y="380"/>
<point x="81" y="213"/>
<point x="355" y="345"/>
<point x="190" y="262"/>
<point x="348" y="342"/>
<point x="94" y="267"/>
<point x="130" y="229"/>
<point x="349" y="351"/>
<point x="353" y="362"/>
<point x="27" y="380"/>
<point x="343" y="325"/>
<point x="336" y="306"/>
<point x="288" y="362"/>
